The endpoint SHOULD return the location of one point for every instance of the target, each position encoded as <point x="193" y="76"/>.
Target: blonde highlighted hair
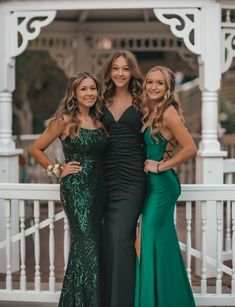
<point x="69" y="106"/>
<point x="154" y="118"/>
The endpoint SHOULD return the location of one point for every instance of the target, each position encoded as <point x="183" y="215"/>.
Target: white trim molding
<point x="183" y="24"/>
<point x="228" y="43"/>
<point x="28" y="26"/>
<point x="99" y="4"/>
<point x="227" y="37"/>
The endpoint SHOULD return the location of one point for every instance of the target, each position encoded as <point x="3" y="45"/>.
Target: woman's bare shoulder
<point x="169" y="112"/>
<point x="60" y="122"/>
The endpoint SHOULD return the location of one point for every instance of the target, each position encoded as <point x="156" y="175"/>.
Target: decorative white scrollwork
<point x="184" y="23"/>
<point x="25" y="26"/>
<point x="228" y="36"/>
<point x="65" y="60"/>
<point x="228" y="39"/>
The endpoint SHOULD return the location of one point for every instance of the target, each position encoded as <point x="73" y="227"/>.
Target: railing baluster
<point x="51" y="215"/>
<point x="203" y="268"/>
<point x="8" y="244"/>
<point x="228" y="15"/>
<point x="22" y="246"/>
<point x="37" y="278"/>
<point x="188" y="237"/>
<point x="66" y="241"/>
<point x="228" y="226"/>
<point x="228" y="180"/>
<point x="233" y="247"/>
<point x="219" y="215"/>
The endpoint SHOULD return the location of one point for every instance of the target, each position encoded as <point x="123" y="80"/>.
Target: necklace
<point x="84" y="118"/>
<point x="119" y="102"/>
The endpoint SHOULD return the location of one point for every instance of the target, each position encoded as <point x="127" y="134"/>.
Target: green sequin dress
<point x="83" y="197"/>
<point x="161" y="278"/>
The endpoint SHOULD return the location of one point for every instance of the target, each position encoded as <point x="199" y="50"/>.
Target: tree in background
<point x="40" y="86"/>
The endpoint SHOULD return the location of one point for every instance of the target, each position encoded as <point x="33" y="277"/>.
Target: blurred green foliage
<point x="44" y="85"/>
<point x="227" y="116"/>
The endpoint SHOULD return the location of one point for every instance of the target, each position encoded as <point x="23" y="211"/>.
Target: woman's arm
<point x="56" y="128"/>
<point x="53" y="131"/>
<point x="173" y="122"/>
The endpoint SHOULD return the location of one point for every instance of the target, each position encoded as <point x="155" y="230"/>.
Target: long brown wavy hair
<point x="135" y="84"/>
<point x="69" y="105"/>
<point x="154" y="118"/>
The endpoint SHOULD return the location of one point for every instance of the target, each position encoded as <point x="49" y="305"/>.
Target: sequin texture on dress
<point x="83" y="197"/>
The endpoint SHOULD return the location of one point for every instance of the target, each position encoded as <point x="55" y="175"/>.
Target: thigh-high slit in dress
<point x="161" y="278"/>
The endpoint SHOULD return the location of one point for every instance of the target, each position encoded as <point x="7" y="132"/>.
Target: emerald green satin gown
<point x="161" y="277"/>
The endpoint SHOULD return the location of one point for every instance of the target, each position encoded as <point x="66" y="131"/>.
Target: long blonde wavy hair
<point x="135" y="86"/>
<point x="154" y="118"/>
<point x="69" y="106"/>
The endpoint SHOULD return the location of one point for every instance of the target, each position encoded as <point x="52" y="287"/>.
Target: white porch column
<point x="205" y="22"/>
<point x="9" y="166"/>
<point x="9" y="172"/>
<point x="12" y="24"/>
<point x="209" y="164"/>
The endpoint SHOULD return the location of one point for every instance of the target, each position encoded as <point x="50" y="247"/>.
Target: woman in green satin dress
<point x="161" y="279"/>
<point x="84" y="142"/>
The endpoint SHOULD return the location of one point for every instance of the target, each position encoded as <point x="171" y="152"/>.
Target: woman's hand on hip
<point x="153" y="166"/>
<point x="150" y="166"/>
<point x="72" y="167"/>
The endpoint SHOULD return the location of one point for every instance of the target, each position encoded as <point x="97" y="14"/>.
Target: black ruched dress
<point x="125" y="193"/>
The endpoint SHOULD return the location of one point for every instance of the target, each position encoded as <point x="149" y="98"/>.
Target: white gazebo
<point x="207" y="28"/>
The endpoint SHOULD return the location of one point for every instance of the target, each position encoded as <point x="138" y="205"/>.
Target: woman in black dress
<point x="124" y="176"/>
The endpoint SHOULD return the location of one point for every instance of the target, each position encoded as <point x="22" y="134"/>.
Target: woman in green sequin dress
<point x="161" y="278"/>
<point x="84" y="142"/>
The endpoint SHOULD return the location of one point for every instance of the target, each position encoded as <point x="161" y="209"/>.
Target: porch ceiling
<point x="109" y="15"/>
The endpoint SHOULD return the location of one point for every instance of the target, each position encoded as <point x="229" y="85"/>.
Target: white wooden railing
<point x="37" y="195"/>
<point x="32" y="172"/>
<point x="218" y="291"/>
<point x="229" y="178"/>
<point x="229" y="170"/>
